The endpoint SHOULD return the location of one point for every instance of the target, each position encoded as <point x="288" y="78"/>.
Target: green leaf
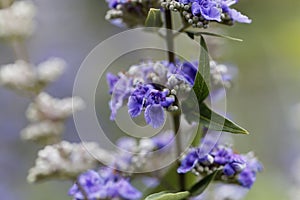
<point x="217" y="122"/>
<point x="198" y="136"/>
<point x="201" y="83"/>
<point x="154" y="18"/>
<point x="199" y="187"/>
<point x="168" y="196"/>
<point x="208" y="118"/>
<point x="216" y="35"/>
<point x="191" y="35"/>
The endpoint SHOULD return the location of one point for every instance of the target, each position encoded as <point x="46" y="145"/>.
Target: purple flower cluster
<point x="235" y="168"/>
<point x="154" y="101"/>
<point x="151" y="87"/>
<point x="199" y="12"/>
<point x="145" y="88"/>
<point x="105" y="184"/>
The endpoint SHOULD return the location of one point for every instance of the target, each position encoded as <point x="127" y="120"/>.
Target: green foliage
<point x="193" y="34"/>
<point x="154" y="18"/>
<point x="202" y="79"/>
<point x="209" y="118"/>
<point x="217" y="122"/>
<point x="168" y="196"/>
<point x="200" y="186"/>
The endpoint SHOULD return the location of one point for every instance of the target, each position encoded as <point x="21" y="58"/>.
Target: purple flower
<point x="127" y="191"/>
<point x="136" y="100"/>
<point x="234" y="14"/>
<point x="120" y="91"/>
<point x="103" y="185"/>
<point x="90" y="182"/>
<point x="184" y="1"/>
<point x="238" y="17"/>
<point x="155" y="115"/>
<point x="206" y="160"/>
<point x="246" y="178"/>
<point x="228" y="170"/>
<point x="237" y="164"/>
<point x="112" y="3"/>
<point x="163" y="140"/>
<point x="222" y="155"/>
<point x="207" y="8"/>
<point x="189" y="162"/>
<point x="189" y="71"/>
<point x="154" y="101"/>
<point x="111" y="81"/>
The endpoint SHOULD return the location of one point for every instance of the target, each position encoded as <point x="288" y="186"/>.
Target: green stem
<point x="169" y="36"/>
<point x="176" y="115"/>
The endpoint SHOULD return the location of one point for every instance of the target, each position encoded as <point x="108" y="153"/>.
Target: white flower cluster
<point x="294" y="190"/>
<point x="63" y="160"/>
<point x="218" y="74"/>
<point x="45" y="132"/>
<point x="17" y="76"/>
<point x="229" y="191"/>
<point x="47" y="115"/>
<point x="23" y="76"/>
<point x="17" y="20"/>
<point x="47" y="107"/>
<point x="139" y="155"/>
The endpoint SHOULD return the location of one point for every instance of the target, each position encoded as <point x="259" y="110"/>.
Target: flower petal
<point x="135" y="106"/>
<point x="127" y="191"/>
<point x="154" y="115"/>
<point x="238" y="17"/>
<point x="189" y="162"/>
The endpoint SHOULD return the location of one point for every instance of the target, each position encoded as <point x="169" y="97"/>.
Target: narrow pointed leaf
<point x="201" y="83"/>
<point x="217" y="122"/>
<point x="168" y="196"/>
<point x="199" y="187"/>
<point x="217" y="35"/>
<point x="154" y="18"/>
<point x="209" y="118"/>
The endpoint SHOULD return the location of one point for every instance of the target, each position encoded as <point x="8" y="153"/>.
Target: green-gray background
<point x="266" y="88"/>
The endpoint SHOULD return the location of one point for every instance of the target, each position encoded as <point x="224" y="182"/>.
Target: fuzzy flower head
<point x="233" y="168"/>
<point x="151" y="88"/>
<point x="105" y="184"/>
<point x="141" y="155"/>
<point x="17" y="20"/>
<point x="43" y="132"/>
<point x="199" y="13"/>
<point x="63" y="160"/>
<point x="129" y="13"/>
<point x="24" y="77"/>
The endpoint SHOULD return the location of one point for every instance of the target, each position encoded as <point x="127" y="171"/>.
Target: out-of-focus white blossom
<point x="44" y="132"/>
<point x="63" y="160"/>
<point x="24" y="77"/>
<point x="219" y="74"/>
<point x="294" y="190"/>
<point x="33" y="114"/>
<point x="18" y="75"/>
<point x="17" y="20"/>
<point x="48" y="107"/>
<point x="50" y="70"/>
<point x="229" y="191"/>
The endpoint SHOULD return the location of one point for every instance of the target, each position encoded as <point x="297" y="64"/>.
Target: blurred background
<point x="263" y="98"/>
